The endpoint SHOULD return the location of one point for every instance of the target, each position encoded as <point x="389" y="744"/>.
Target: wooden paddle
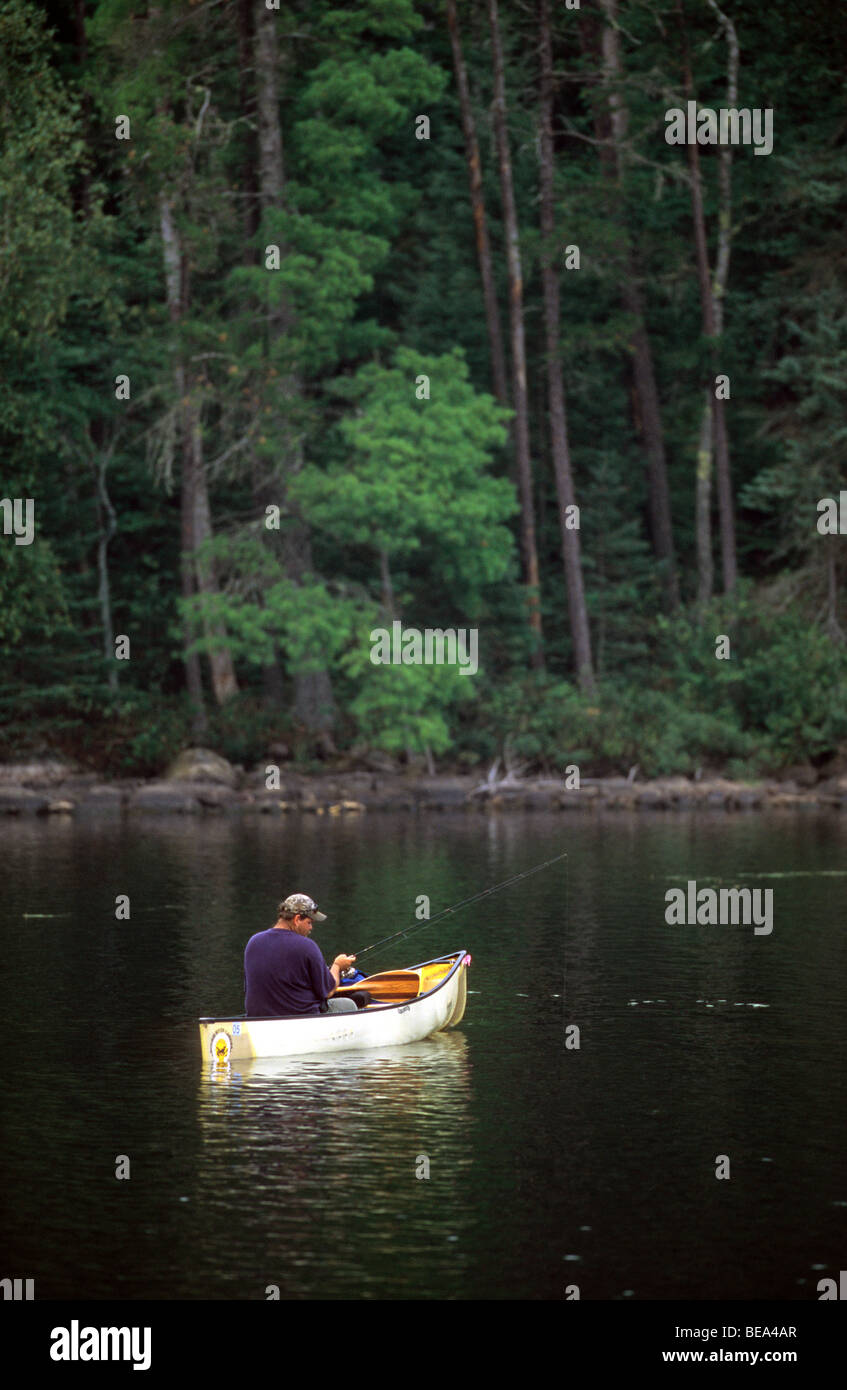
<point x="392" y="985"/>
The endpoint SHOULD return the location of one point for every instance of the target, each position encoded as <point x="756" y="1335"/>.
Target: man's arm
<point x="325" y="978"/>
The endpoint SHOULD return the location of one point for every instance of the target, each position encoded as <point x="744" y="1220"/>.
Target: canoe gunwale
<point x="458" y="958"/>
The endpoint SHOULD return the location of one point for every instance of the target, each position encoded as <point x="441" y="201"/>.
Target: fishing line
<point x="477" y="897"/>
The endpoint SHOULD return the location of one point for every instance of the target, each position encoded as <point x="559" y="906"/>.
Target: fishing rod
<point x="477" y="897"/>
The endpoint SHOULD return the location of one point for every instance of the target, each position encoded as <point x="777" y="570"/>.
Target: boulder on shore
<point x="201" y="765"/>
<point x="39" y="772"/>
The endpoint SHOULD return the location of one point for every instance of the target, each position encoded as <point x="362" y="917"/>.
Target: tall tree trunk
<point x="703" y="506"/>
<point x="265" y="488"/>
<point x="483" y="246"/>
<point x="711" y="297"/>
<point x="196" y="526"/>
<point x="191" y="660"/>
<point x="519" y="387"/>
<point x="705" y="452"/>
<point x="224" y="683"/>
<point x="705" y="449"/>
<point x="81" y="43"/>
<point x="313" y="699"/>
<point x="106" y="528"/>
<point x="648" y="413"/>
<point x="722" y="467"/>
<point x="577" y="611"/>
<point x="247" y="105"/>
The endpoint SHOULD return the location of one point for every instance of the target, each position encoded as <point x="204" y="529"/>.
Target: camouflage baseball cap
<point x="302" y="903"/>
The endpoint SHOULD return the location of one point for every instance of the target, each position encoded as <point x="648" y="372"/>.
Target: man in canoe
<point x="285" y="975"/>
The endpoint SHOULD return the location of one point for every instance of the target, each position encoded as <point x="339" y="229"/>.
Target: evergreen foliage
<point x="306" y="384"/>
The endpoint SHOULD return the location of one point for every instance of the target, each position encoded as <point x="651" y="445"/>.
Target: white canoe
<point x="408" y="1005"/>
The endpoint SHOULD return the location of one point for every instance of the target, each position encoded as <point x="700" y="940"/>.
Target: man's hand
<point x="340" y="963"/>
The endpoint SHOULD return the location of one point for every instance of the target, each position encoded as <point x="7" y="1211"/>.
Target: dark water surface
<point x="548" y="1166"/>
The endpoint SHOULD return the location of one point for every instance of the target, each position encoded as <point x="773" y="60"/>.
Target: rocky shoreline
<point x="202" y="783"/>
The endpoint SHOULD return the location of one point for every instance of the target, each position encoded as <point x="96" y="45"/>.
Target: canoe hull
<point x="223" y="1040"/>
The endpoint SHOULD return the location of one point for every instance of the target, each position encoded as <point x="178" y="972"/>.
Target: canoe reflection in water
<point x="313" y="1159"/>
<point x="420" y="1077"/>
<point x="294" y="1113"/>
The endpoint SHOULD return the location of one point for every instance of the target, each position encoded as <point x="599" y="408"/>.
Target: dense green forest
<point x="318" y="317"/>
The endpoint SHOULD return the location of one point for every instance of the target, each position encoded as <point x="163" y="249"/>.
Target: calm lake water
<point x="548" y="1166"/>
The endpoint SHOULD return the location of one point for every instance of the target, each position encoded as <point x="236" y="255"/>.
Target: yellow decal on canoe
<point x="220" y="1047"/>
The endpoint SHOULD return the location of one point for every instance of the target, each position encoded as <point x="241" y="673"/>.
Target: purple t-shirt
<point x="285" y="975"/>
